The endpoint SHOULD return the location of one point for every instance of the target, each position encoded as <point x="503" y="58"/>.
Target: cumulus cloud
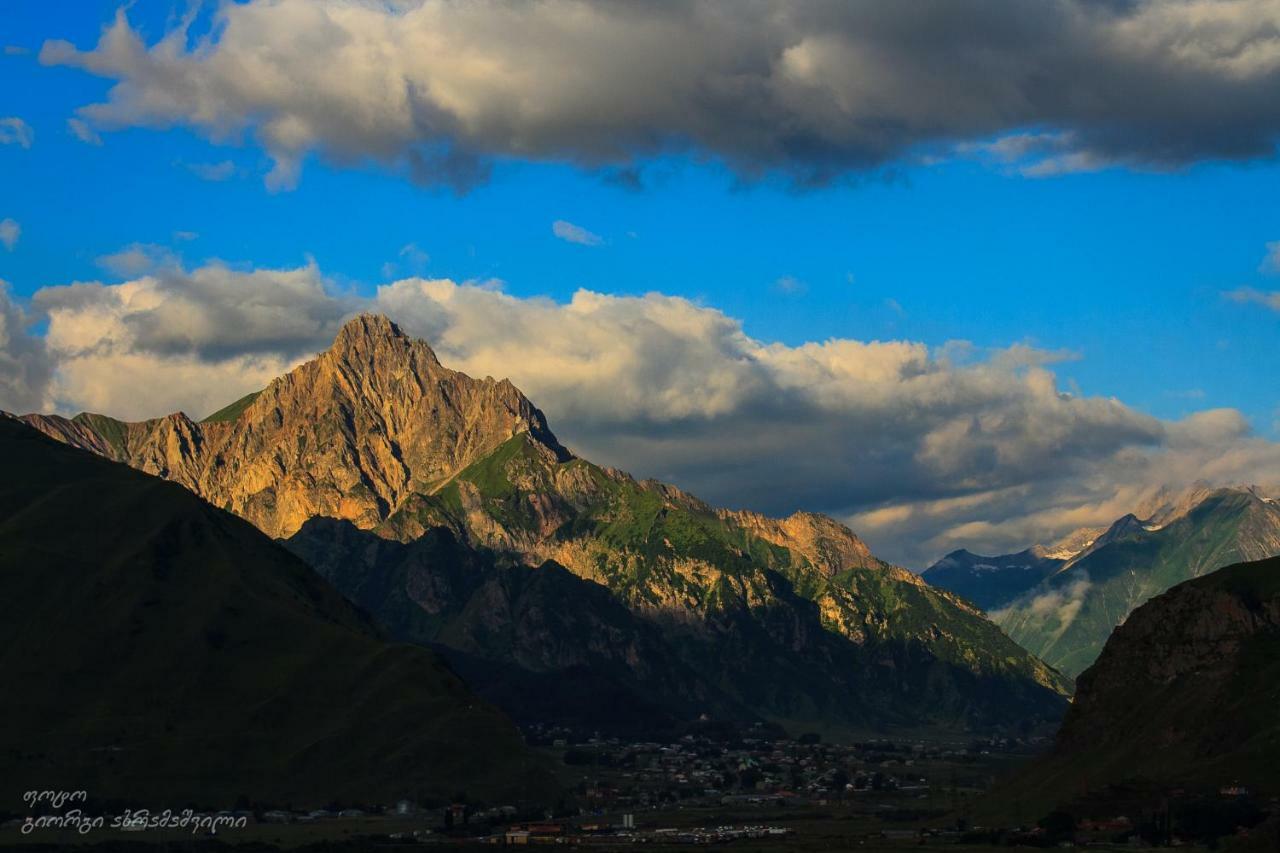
<point x="213" y="312"/>
<point x="571" y="233"/>
<point x="10" y="231"/>
<point x="921" y="449"/>
<point x="814" y="89"/>
<point x="177" y="339"/>
<point x="25" y="367"/>
<point x="15" y="131"/>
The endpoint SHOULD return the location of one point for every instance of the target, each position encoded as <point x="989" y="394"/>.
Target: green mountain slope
<point x="160" y="650"/>
<point x="1067" y="619"/>
<point x="775" y="658"/>
<point x="232" y="411"/>
<point x="660" y="549"/>
<point x="1183" y="695"/>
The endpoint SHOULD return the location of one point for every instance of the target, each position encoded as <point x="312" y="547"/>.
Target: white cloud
<point x="81" y="130"/>
<point x="213" y="312"/>
<point x="176" y="339"/>
<point x="1054" y="608"/>
<point x="814" y="90"/>
<point x="571" y="233"/>
<point x="25" y="368"/>
<point x="15" y="131"/>
<point x="922" y="449"/>
<point x="10" y="231"/>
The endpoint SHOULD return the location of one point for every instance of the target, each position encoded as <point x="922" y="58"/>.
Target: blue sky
<point x="1124" y="268"/>
<point x="1124" y="264"/>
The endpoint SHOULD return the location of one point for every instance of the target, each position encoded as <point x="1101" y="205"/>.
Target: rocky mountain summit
<point x="351" y="434"/>
<point x="376" y="433"/>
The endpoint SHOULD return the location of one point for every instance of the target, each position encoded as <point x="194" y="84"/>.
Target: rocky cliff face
<point x="376" y="432"/>
<point x="349" y="435"/>
<point x="822" y="541"/>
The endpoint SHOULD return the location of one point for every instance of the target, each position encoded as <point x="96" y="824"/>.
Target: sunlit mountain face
<point x="570" y="420"/>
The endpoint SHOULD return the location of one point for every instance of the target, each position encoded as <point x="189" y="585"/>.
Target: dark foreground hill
<point x="1184" y="697"/>
<point x="159" y="650"/>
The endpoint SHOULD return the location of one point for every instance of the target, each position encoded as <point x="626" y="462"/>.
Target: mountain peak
<point x="368" y="326"/>
<point x="350" y="434"/>
<point x="366" y="334"/>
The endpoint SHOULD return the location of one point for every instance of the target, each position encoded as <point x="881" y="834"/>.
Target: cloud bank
<point x="814" y="90"/>
<point x="921" y="449"/>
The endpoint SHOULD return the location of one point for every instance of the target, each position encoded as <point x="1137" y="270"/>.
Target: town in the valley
<point x="757" y="788"/>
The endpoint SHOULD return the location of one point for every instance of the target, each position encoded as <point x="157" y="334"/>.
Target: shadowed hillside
<point x="160" y="650"/>
<point x="1184" y="695"/>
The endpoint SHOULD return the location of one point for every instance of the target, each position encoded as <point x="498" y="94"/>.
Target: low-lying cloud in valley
<point x="1054" y="608"/>
<point x="921" y="449"/>
<point x="814" y="90"/>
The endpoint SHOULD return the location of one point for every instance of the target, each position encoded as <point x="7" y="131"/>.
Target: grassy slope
<point x="643" y="542"/>
<point x="159" y="649"/>
<point x="232" y="411"/>
<point x="1123" y="575"/>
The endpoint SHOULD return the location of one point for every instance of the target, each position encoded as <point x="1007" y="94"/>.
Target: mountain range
<point x="993" y="582"/>
<point x="446" y="507"/>
<point x="1063" y="606"/>
<point x="158" y="649"/>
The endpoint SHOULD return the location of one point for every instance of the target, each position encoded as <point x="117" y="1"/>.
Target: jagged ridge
<point x="1067" y="618"/>
<point x="377" y="432"/>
